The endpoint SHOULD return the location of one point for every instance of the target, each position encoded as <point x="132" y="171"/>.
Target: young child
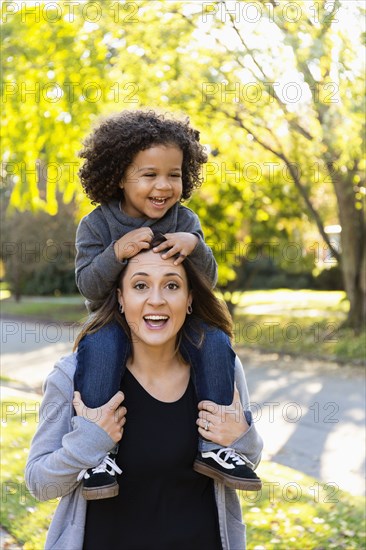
<point x="139" y="166"/>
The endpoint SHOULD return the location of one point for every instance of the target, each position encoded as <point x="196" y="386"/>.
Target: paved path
<point x="311" y="414"/>
<point x="7" y="542"/>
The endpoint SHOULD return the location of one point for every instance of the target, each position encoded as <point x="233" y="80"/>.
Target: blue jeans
<point x="102" y="356"/>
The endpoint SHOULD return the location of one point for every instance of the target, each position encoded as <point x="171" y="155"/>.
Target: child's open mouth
<point x="157" y="201"/>
<point x="156" y="321"/>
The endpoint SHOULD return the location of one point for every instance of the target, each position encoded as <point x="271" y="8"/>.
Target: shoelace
<point x="103" y="467"/>
<point x="236" y="458"/>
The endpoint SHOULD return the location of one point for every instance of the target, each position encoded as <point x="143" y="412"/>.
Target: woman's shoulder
<point x="62" y="374"/>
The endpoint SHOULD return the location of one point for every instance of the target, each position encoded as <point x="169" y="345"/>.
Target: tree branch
<point x="295" y="177"/>
<point x="266" y="82"/>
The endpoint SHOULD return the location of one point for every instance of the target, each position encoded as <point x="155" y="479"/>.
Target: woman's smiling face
<point x="155" y="297"/>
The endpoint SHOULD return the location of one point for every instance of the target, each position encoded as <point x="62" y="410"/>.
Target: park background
<point x="276" y="90"/>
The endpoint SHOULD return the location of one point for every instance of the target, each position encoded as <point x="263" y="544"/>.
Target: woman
<point x="162" y="503"/>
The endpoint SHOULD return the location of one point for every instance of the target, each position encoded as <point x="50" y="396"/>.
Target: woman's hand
<point x="224" y="423"/>
<point x="111" y="417"/>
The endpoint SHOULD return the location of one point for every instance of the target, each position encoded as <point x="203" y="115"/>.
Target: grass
<point x="26" y="519"/>
<point x="293" y="511"/>
<point x="69" y="308"/>
<point x="292" y="299"/>
<point x="289" y="321"/>
<point x="303" y="322"/>
<point x="307" y="336"/>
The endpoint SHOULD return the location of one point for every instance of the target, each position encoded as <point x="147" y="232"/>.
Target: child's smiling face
<point x="153" y="182"/>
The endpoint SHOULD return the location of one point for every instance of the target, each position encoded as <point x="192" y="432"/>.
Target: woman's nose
<point x="156" y="297"/>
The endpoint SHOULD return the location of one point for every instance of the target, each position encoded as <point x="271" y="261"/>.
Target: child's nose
<point x="163" y="183"/>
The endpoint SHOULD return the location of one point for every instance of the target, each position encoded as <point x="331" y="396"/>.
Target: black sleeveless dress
<point x="162" y="503"/>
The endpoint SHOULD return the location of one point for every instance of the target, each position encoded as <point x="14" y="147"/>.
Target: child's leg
<point x="101" y="360"/>
<point x="213" y="366"/>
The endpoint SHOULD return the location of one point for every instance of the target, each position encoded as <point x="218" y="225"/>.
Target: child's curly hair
<point x="112" y="146"/>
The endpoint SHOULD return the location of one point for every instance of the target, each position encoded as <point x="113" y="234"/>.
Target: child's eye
<point x="176" y="176"/>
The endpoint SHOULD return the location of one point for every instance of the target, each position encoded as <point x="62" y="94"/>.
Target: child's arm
<point x="99" y="262"/>
<point x="188" y="240"/>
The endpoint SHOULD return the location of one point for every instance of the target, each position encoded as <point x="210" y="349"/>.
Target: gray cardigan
<point x="65" y="444"/>
<point x="97" y="267"/>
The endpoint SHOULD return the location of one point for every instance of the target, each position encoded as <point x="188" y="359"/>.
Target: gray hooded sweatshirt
<point x="97" y="268"/>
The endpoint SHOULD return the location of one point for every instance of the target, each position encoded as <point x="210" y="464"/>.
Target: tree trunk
<point x="353" y="250"/>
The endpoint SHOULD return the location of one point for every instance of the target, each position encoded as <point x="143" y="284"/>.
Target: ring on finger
<point x="207" y="425"/>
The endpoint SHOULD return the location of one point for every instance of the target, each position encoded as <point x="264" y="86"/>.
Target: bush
<point x="49" y="281"/>
<point x="329" y="279"/>
<point x="264" y="274"/>
<point x="39" y="252"/>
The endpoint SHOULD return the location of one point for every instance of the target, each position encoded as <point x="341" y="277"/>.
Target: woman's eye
<point x="149" y="175"/>
<point x="172" y="286"/>
<point x="140" y="286"/>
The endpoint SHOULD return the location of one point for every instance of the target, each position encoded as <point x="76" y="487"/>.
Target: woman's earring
<point x="120" y="308"/>
<point x="189" y="309"/>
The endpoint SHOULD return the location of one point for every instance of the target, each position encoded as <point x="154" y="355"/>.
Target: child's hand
<point x="224" y="423"/>
<point x="130" y="244"/>
<point x="111" y="417"/>
<point x="179" y="243"/>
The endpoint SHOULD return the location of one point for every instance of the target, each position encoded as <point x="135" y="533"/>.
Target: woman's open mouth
<point x="156" y="321"/>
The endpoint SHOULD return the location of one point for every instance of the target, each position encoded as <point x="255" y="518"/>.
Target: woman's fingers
<point x="111" y="417"/>
<point x="115" y="401"/>
<point x="205" y="424"/>
<point x="209" y="406"/>
<point x="78" y="403"/>
<point x="120" y="415"/>
<point x="205" y="415"/>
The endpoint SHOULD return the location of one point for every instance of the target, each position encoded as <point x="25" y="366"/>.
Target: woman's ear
<point x="120" y="301"/>
<point x="189" y="303"/>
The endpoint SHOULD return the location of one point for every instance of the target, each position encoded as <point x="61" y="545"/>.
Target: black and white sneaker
<point x="100" y="482"/>
<point x="229" y="467"/>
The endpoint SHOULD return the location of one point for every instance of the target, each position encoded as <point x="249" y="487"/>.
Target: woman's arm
<point x="232" y="425"/>
<point x="250" y="443"/>
<point x="63" y="444"/>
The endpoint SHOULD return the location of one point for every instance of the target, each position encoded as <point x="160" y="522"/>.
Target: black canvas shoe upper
<point x="102" y="475"/>
<point x="229" y="462"/>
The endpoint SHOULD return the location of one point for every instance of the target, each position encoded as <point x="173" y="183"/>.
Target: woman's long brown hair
<point x="206" y="306"/>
